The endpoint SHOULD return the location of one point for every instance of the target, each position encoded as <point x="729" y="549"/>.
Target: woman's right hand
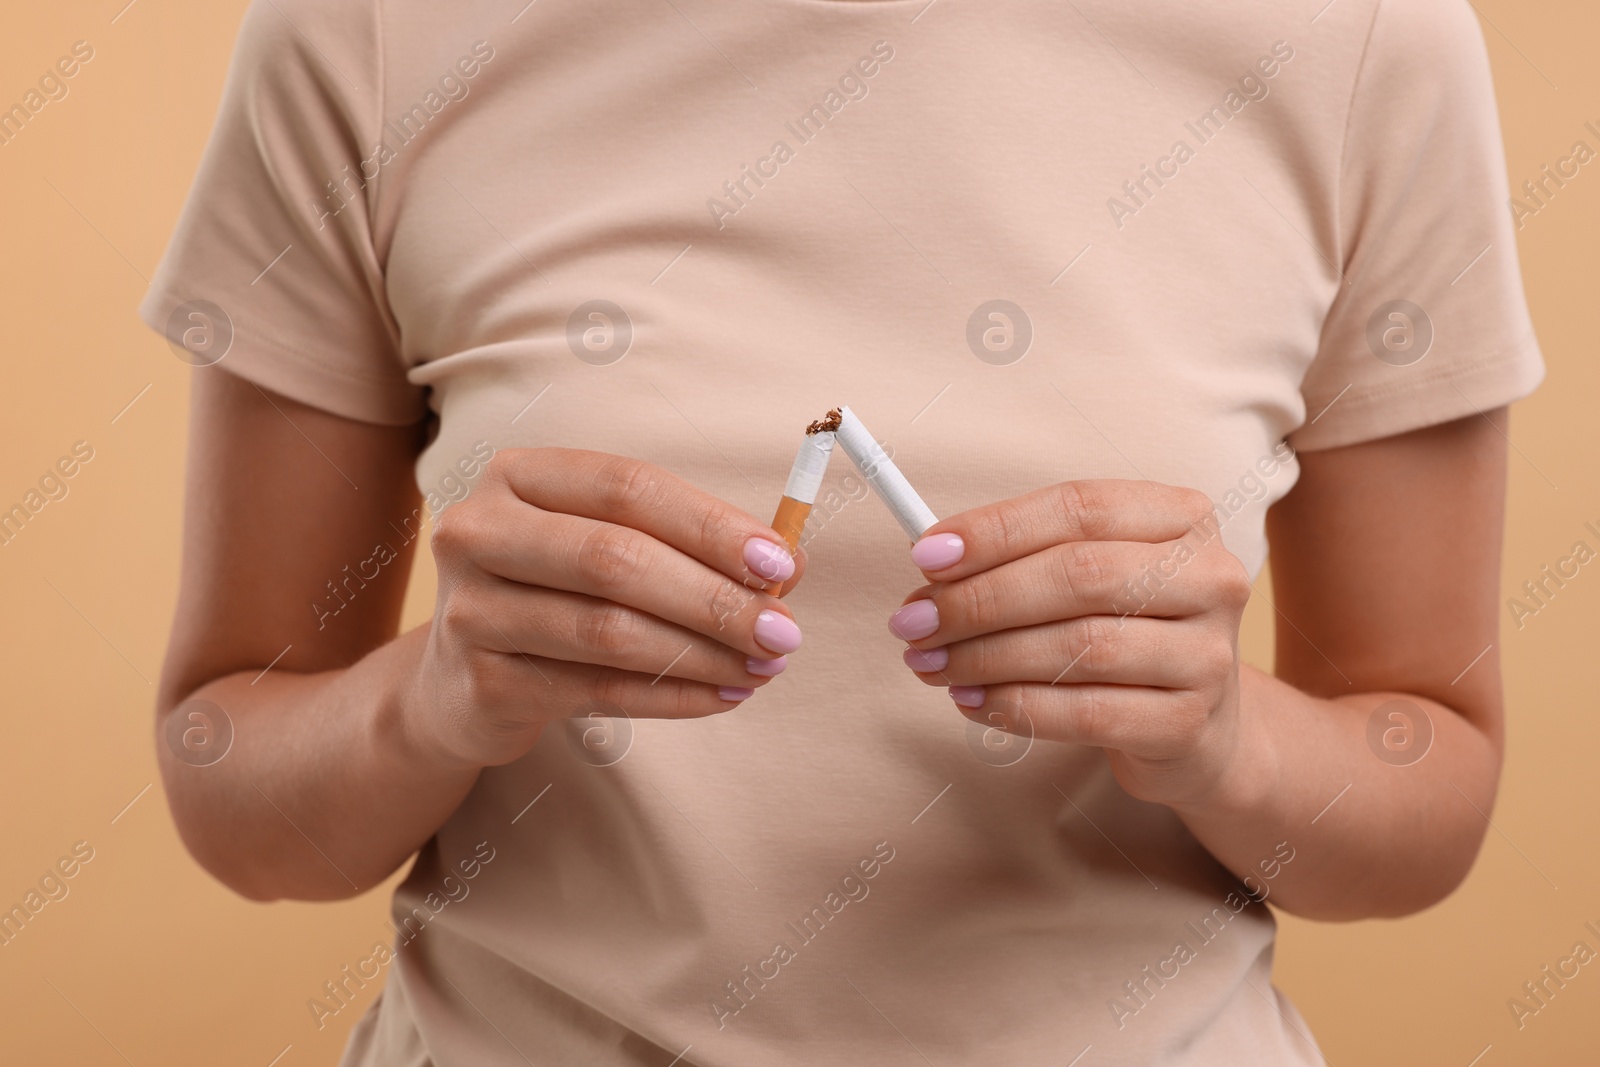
<point x="572" y="582"/>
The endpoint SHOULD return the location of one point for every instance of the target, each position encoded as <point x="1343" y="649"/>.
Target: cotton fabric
<point x="682" y="230"/>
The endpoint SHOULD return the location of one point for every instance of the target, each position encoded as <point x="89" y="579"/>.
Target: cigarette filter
<point x="885" y="478"/>
<point x="805" y="480"/>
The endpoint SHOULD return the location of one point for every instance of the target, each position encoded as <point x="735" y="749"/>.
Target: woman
<point x="1109" y="282"/>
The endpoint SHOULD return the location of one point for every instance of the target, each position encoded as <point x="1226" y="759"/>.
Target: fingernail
<point x="768" y="561"/>
<point x="777" y="633"/>
<point x="968" y="696"/>
<point x="934" y="659"/>
<point x="766" y="668"/>
<point x="915" y="621"/>
<point x="938" y="551"/>
<point x="735" y="693"/>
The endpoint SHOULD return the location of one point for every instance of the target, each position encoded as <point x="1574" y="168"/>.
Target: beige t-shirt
<point x="1026" y="242"/>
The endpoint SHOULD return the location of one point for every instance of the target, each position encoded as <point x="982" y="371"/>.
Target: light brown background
<point x="149" y="961"/>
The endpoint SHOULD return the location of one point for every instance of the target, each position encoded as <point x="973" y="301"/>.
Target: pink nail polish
<point x="777" y="633"/>
<point x="914" y="621"/>
<point x="735" y="693"/>
<point x="767" y="561"/>
<point x="766" y="668"/>
<point x="934" y="659"/>
<point x="938" y="551"/>
<point x="968" y="696"/>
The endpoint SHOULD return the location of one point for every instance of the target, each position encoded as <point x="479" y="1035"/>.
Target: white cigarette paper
<point x="810" y="464"/>
<point x="885" y="478"/>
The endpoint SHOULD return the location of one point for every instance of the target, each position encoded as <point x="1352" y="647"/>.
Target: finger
<point x="625" y="566"/>
<point x="1153" y="724"/>
<point x="1096" y="648"/>
<point x="642" y="496"/>
<point x="799" y="572"/>
<point x="1095" y="510"/>
<point x="506" y="617"/>
<point x="1116" y="578"/>
<point x="560" y="689"/>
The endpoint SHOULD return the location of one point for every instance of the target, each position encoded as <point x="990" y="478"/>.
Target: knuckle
<point x="507" y="469"/>
<point x="1099" y="651"/>
<point x="1000" y="528"/>
<point x="1088" y="712"/>
<point x="1081" y="503"/>
<point x="624" y="485"/>
<point x="1197" y="506"/>
<point x="975" y="604"/>
<point x="611" y="689"/>
<point x="607" y="629"/>
<point x="971" y="663"/>
<point x="1086" y="568"/>
<point x="727" y="602"/>
<point x="449" y="554"/>
<point x="1010" y="530"/>
<point x="1225" y="573"/>
<point x="456" y="530"/>
<point x="501" y="460"/>
<point x="455" y="613"/>
<point x="718" y="526"/>
<point x="1239" y="586"/>
<point x="611" y="556"/>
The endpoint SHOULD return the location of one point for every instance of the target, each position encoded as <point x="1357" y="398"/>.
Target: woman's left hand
<point x="1101" y="613"/>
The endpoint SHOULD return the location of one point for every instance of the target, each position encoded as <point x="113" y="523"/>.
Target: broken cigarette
<point x="805" y="480"/>
<point x="880" y="472"/>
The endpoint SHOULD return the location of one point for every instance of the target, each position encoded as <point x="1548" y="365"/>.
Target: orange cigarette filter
<point x="805" y="480"/>
<point x="790" y="521"/>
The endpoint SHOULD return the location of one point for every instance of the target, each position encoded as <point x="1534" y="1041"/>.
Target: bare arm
<point x="1385" y="573"/>
<point x="566" y="578"/>
<point x="322" y="793"/>
<point x="1107" y="613"/>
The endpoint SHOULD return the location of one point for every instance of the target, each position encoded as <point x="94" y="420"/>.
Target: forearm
<point x="1370" y="838"/>
<point x="324" y="791"/>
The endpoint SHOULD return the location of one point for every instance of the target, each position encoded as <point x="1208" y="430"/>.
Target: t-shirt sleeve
<point x="272" y="272"/>
<point x="1430" y="323"/>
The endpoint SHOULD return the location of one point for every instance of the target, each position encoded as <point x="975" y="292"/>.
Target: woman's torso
<point x="651" y="901"/>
